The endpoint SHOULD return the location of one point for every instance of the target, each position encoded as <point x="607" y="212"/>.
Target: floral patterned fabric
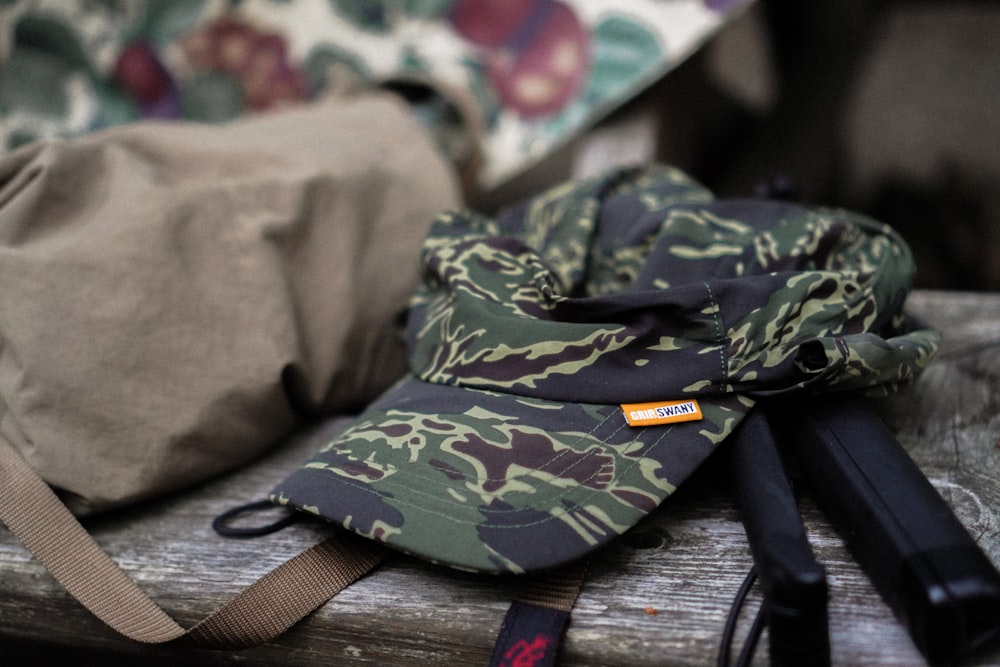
<point x="505" y="81"/>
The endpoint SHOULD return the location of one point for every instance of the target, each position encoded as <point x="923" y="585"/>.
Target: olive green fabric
<point x="175" y="296"/>
<point x="507" y="449"/>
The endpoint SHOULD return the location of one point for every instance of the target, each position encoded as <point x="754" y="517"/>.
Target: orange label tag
<point x="661" y="412"/>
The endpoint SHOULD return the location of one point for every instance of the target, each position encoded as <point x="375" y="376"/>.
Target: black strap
<point x="530" y="635"/>
<point x="533" y="628"/>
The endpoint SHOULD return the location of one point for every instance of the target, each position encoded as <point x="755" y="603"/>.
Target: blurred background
<point x="902" y="119"/>
<point x="888" y="107"/>
<point x="891" y="108"/>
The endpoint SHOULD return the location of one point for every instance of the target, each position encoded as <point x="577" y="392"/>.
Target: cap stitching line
<point x="368" y="489"/>
<point x="549" y="517"/>
<point x="717" y="317"/>
<point x="565" y="452"/>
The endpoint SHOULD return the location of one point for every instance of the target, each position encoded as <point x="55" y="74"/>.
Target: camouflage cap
<point x="575" y="359"/>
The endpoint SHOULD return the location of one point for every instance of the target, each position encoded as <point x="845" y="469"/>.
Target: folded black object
<point x="919" y="556"/>
<point x="792" y="580"/>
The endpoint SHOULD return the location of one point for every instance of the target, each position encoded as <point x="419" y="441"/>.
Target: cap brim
<point x="495" y="482"/>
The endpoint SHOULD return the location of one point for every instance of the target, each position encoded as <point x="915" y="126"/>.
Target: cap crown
<point x="641" y="286"/>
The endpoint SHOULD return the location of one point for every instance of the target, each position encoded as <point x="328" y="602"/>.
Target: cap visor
<point x="495" y="482"/>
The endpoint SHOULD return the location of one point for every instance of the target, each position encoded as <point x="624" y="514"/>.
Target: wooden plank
<point x="684" y="562"/>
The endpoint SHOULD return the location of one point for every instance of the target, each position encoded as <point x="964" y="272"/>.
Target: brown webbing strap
<point x="282" y="597"/>
<point x="557" y="589"/>
<point x="268" y="607"/>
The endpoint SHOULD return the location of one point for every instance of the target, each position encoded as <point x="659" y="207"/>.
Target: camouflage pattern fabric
<point x="507" y="448"/>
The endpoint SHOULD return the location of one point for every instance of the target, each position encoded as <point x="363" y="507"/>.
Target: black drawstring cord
<point x="729" y="631"/>
<point x="756" y="630"/>
<point x="222" y="523"/>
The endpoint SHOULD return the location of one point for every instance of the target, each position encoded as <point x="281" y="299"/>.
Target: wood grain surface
<point x="658" y="596"/>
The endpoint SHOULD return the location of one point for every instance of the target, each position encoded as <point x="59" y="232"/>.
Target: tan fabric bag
<point x="174" y="297"/>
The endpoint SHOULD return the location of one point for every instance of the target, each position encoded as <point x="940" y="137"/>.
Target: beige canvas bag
<point x="174" y="297"/>
<point x="173" y="300"/>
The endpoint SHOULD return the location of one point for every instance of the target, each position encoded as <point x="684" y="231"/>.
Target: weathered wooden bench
<point x="658" y="596"/>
